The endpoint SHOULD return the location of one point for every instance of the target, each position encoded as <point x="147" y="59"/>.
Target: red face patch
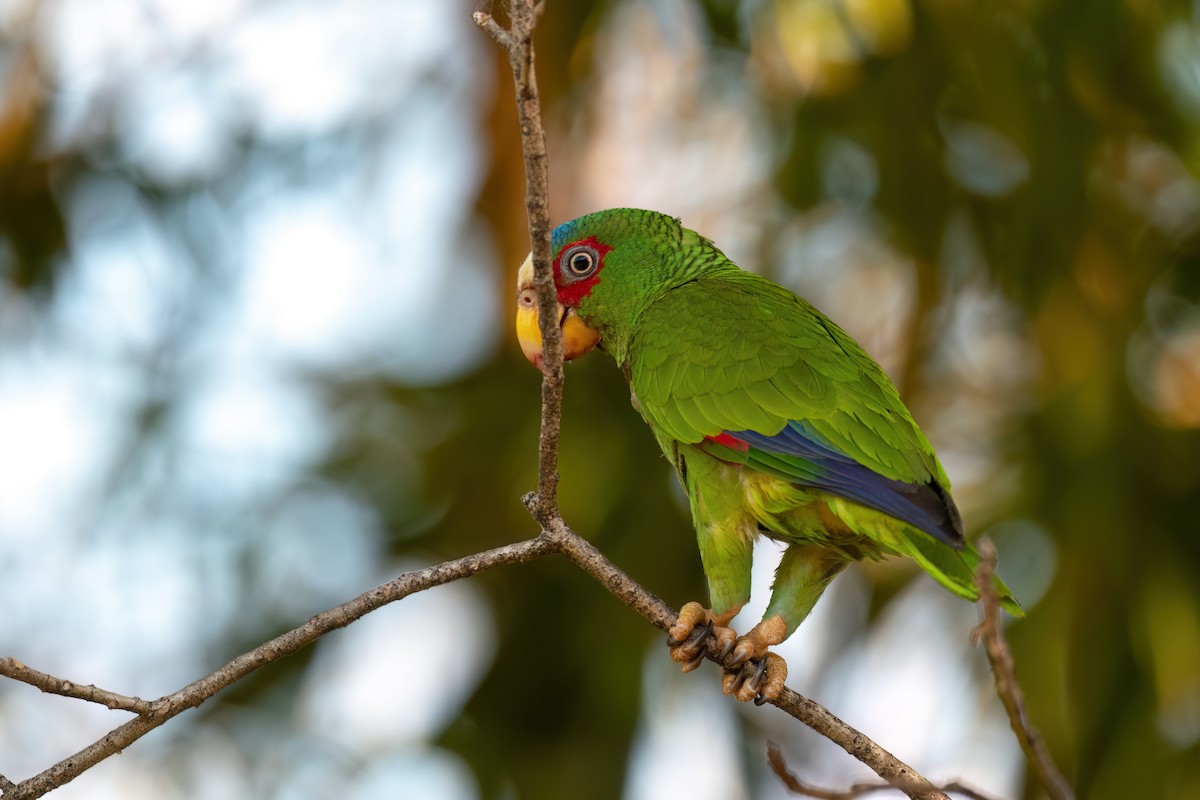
<point x="573" y="288"/>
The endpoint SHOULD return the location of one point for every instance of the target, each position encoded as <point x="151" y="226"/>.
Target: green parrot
<point x="776" y="421"/>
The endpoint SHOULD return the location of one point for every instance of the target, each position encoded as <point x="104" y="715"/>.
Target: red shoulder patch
<point x="726" y="439"/>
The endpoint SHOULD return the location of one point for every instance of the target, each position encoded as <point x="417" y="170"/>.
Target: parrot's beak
<point x="577" y="337"/>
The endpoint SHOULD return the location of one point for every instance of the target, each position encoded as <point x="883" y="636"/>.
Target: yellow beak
<point x="577" y="337"/>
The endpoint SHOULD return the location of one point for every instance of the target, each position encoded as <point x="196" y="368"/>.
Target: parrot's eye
<point x="581" y="261"/>
<point x="527" y="298"/>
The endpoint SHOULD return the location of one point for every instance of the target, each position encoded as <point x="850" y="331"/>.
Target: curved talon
<point x="776" y="671"/>
<point x="691" y="615"/>
<point x="690" y="650"/>
<point x="731" y="682"/>
<point x="754" y="682"/>
<point x="697" y="634"/>
<point x="688" y="638"/>
<point x="743" y="651"/>
<point x="727" y="649"/>
<point x="701" y="632"/>
<point x="760" y="680"/>
<point x="748" y="684"/>
<point x="694" y="639"/>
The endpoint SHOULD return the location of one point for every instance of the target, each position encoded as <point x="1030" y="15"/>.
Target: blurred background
<point x="256" y="294"/>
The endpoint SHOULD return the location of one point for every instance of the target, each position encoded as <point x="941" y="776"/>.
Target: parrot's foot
<point x="760" y="680"/>
<point x="688" y="638"/>
<point x="762" y="674"/>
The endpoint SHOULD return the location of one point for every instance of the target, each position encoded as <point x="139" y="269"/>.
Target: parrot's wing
<point x="755" y="375"/>
<point x="794" y="455"/>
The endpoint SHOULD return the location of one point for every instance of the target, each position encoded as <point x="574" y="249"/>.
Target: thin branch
<point x="192" y="695"/>
<point x="489" y="25"/>
<point x="556" y="539"/>
<point x="585" y="555"/>
<point x="796" y="786"/>
<point x="518" y="43"/>
<point x="11" y="668"/>
<point x="858" y="745"/>
<point x="1004" y="671"/>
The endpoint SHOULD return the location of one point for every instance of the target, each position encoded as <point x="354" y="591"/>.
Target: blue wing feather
<point x="924" y="506"/>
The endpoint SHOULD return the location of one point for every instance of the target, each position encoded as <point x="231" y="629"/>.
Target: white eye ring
<point x="581" y="262"/>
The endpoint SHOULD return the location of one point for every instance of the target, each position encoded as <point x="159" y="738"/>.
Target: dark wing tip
<point x="932" y="509"/>
<point x="951" y="524"/>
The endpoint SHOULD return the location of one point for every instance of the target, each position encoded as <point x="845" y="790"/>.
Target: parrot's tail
<point x="955" y="569"/>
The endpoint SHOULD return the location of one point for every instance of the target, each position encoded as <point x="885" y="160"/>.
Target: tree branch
<point x="489" y="25"/>
<point x="11" y="668"/>
<point x="157" y="712"/>
<point x="518" y="43"/>
<point x="585" y="555"/>
<point x="557" y="538"/>
<point x="796" y="786"/>
<point x="1004" y="672"/>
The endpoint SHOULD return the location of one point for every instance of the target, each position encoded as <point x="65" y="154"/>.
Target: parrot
<point x="776" y="421"/>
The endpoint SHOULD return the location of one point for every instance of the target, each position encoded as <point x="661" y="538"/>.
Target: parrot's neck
<point x="693" y="257"/>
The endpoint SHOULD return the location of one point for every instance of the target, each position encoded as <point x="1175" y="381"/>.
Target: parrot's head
<point x="609" y="266"/>
<point x="577" y="337"/>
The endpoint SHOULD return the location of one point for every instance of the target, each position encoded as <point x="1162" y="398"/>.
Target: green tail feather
<point x="955" y="569"/>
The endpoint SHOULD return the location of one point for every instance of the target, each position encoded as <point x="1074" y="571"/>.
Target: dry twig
<point x="518" y="43"/>
<point x="556" y="538"/>
<point x="11" y="668"/>
<point x="164" y="708"/>
<point x="1004" y="671"/>
<point x="795" y="785"/>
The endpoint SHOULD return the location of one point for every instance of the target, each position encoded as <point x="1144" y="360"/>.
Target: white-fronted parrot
<point x="776" y="421"/>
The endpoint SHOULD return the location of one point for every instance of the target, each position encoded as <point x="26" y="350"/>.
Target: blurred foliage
<point x="1062" y="135"/>
<point x="31" y="226"/>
